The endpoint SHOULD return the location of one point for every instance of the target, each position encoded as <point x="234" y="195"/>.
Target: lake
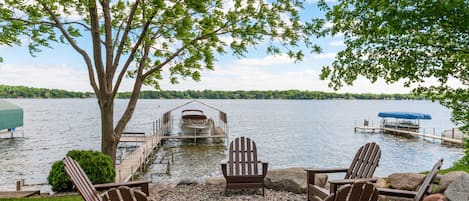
<point x="288" y="133"/>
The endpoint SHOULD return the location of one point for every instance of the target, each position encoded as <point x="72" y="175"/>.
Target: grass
<point x="454" y="168"/>
<point x="55" y="198"/>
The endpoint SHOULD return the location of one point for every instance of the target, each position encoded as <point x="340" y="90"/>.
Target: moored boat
<point x="194" y="121"/>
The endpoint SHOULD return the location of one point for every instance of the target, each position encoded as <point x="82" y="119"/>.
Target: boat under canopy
<point x="11" y="115"/>
<point x="404" y="115"/>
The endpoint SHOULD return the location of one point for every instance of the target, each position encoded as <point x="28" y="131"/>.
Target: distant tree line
<point x="285" y="94"/>
<point x="31" y="92"/>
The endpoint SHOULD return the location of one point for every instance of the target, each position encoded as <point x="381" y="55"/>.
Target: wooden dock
<point x="373" y="129"/>
<point x="17" y="194"/>
<point x="424" y="135"/>
<point x="138" y="158"/>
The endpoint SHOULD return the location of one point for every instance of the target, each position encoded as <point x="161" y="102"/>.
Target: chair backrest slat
<point x="80" y="180"/>
<point x="124" y="193"/>
<point x="423" y="189"/>
<point x="359" y="191"/>
<point x="365" y="162"/>
<point x="242" y="157"/>
<point x="231" y="159"/>
<point x="249" y="156"/>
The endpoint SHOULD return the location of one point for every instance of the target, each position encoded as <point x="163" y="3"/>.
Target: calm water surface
<point x="288" y="133"/>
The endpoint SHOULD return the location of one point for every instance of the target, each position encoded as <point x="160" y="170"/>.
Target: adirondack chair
<point x="421" y="191"/>
<point x="124" y="193"/>
<point x="86" y="189"/>
<point x="359" y="191"/>
<point x="242" y="169"/>
<point x="363" y="166"/>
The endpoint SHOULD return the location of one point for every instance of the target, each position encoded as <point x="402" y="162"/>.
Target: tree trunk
<point x="108" y="137"/>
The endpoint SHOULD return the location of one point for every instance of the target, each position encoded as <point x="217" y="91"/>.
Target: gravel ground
<point x="195" y="192"/>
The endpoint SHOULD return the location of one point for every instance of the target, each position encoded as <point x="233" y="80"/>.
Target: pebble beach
<point x="195" y="192"/>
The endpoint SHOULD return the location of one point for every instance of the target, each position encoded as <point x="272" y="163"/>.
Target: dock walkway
<point x="374" y="129"/>
<point x="138" y="158"/>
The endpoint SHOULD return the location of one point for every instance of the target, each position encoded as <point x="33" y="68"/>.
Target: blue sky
<point x="62" y="68"/>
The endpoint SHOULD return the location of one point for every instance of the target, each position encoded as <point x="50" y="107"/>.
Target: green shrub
<point x="97" y="166"/>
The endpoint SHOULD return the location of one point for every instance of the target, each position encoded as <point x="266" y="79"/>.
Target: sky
<point x="60" y="67"/>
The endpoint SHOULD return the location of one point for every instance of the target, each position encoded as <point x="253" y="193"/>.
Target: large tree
<point x="141" y="38"/>
<point x="423" y="43"/>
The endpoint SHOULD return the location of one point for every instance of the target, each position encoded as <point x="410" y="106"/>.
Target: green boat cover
<point x="11" y="115"/>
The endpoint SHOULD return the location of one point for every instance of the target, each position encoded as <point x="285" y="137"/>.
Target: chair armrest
<point x="397" y="192"/>
<point x="143" y="184"/>
<point x="350" y="181"/>
<point x="314" y="171"/>
<point x="223" y="170"/>
<point x="338" y="182"/>
<point x="265" y="166"/>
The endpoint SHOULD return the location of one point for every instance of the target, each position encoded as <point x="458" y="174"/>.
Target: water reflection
<point x="190" y="162"/>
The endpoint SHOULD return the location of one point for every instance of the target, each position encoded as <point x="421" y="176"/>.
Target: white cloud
<point x="336" y="43"/>
<point x="57" y="76"/>
<point x="235" y="77"/>
<point x="270" y="60"/>
<point x="328" y="56"/>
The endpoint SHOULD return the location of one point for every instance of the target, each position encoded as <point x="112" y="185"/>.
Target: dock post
<point x="19" y="185"/>
<point x="434" y="135"/>
<point x="131" y="173"/>
<point x="452" y="133"/>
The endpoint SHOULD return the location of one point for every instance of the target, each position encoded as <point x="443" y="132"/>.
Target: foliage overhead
<point x="140" y="38"/>
<point x="409" y="41"/>
<point x="183" y="35"/>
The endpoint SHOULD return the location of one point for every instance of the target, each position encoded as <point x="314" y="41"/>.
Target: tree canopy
<point x="140" y="38"/>
<point x="417" y="42"/>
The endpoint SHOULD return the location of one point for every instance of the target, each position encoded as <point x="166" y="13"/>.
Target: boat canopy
<point x="11" y="115"/>
<point x="405" y="115"/>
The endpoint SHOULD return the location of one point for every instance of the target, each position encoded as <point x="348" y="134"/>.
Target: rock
<point x="406" y="181"/>
<point x="291" y="179"/>
<point x="215" y="181"/>
<point x="381" y="183"/>
<point x="436" y="197"/>
<point x="458" y="189"/>
<point x="448" y="178"/>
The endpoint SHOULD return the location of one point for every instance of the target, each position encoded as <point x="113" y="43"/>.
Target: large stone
<point x="436" y="197"/>
<point x="215" y="181"/>
<point x="291" y="179"/>
<point x="448" y="178"/>
<point x="381" y="183"/>
<point x="406" y="181"/>
<point x="458" y="189"/>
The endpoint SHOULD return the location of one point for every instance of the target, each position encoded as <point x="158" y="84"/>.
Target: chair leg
<point x="263" y="191"/>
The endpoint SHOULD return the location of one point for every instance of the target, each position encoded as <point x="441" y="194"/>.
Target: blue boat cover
<point x="405" y="115"/>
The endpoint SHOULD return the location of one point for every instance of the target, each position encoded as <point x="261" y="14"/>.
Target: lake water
<point x="288" y="133"/>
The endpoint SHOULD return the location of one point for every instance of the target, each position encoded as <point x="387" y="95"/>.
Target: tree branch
<point x="132" y="55"/>
<point x="74" y="45"/>
<point x="124" y="36"/>
<point x="96" y="38"/>
<point x="108" y="42"/>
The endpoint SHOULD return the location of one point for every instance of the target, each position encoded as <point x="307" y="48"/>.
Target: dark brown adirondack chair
<point x="422" y="190"/>
<point x="363" y="166"/>
<point x="242" y="169"/>
<point x="86" y="189"/>
<point x="124" y="193"/>
<point x="359" y="191"/>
